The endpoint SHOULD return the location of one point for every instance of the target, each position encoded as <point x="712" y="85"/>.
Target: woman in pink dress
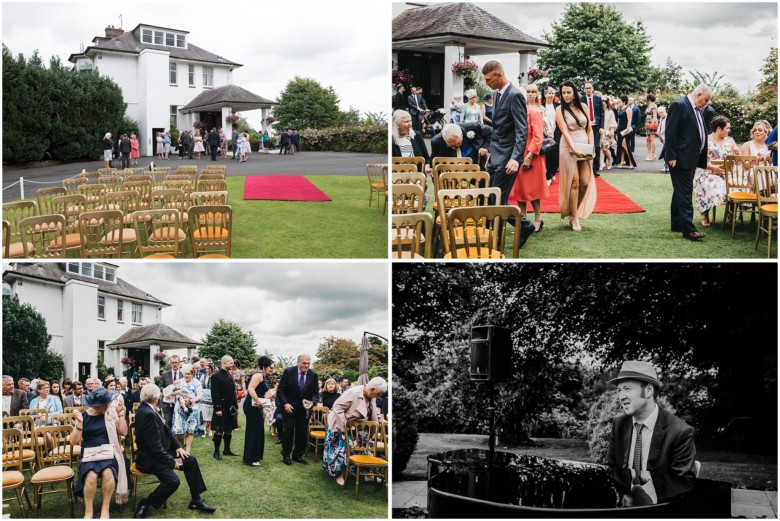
<point x="135" y="152"/>
<point x="198" y="148"/>
<point x="160" y="147"/>
<point x="531" y="181"/>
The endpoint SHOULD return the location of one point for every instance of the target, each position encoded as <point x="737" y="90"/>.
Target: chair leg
<point x="70" y="497"/>
<point x="733" y="219"/>
<point x="769" y="240"/>
<point x="19" y="499"/>
<point x="357" y="481"/>
<point x="758" y="233"/>
<point x="27" y="498"/>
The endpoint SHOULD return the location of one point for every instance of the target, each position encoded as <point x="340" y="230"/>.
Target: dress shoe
<point x="299" y="459"/>
<point x="286" y="460"/>
<point x="217" y="456"/>
<point x="693" y="236"/>
<point x="201" y="505"/>
<point x="141" y="511"/>
<point x="541" y="225"/>
<point x="229" y="453"/>
<point x="278" y="441"/>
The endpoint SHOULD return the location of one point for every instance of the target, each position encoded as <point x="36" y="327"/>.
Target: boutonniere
<point x="470" y="134"/>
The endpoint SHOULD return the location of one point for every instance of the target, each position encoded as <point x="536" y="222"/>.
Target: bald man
<point x="223" y="395"/>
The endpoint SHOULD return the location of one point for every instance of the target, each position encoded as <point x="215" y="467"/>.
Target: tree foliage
<point x="594" y="42"/>
<point x="767" y="88"/>
<point x="26" y="341"/>
<point x="228" y="338"/>
<point x="712" y="79"/>
<point x="304" y="104"/>
<point x="666" y="78"/>
<point x="56" y="112"/>
<point x="340" y="357"/>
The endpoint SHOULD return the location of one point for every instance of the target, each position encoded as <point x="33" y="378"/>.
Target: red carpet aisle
<point x="281" y="188"/>
<point x="609" y="200"/>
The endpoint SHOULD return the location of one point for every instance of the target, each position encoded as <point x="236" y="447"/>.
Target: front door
<point x="141" y="357"/>
<point x="154" y="140"/>
<point x="84" y="371"/>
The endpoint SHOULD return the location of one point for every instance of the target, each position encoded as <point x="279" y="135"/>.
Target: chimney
<point x="112" y="32"/>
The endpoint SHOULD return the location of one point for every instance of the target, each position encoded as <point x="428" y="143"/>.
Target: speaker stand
<point x="491" y="425"/>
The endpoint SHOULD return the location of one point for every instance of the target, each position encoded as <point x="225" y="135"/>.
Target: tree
<point x="341" y="353"/>
<point x="593" y="42"/>
<point x="349" y="117"/>
<point x="712" y="79"/>
<point x="767" y="87"/>
<point x="666" y="78"/>
<point x="227" y="338"/>
<point x="26" y="341"/>
<point x="304" y="103"/>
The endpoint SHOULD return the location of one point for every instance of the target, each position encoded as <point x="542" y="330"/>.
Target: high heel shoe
<point x="538" y="226"/>
<point x="575" y="225"/>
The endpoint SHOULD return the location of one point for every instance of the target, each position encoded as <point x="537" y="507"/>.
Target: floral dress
<point x="710" y="189"/>
<point x="186" y="420"/>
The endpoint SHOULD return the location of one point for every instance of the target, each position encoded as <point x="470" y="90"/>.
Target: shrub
<point x="371" y="139"/>
<point x="602" y="414"/>
<point x="558" y="423"/>
<point x="405" y="433"/>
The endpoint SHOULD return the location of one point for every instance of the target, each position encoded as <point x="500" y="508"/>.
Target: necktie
<point x="497" y="98"/>
<point x="458" y="152"/>
<point x="590" y="107"/>
<point x="700" y="123"/>
<point x="637" y="463"/>
<point x="301" y="383"/>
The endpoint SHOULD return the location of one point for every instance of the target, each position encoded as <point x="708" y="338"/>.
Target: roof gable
<point x="154" y="333"/>
<point x="233" y="95"/>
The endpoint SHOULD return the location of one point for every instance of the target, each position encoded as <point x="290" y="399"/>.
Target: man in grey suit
<point x="77" y="398"/>
<point x="167" y="378"/>
<point x="14" y="400"/>
<point x="510" y="129"/>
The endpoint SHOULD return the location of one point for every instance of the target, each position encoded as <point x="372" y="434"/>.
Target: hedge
<point x="370" y="139"/>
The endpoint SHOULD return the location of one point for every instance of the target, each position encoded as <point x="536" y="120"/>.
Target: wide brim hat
<point x="100" y="396"/>
<point x="487" y="96"/>
<point x="471" y="93"/>
<point x="638" y="370"/>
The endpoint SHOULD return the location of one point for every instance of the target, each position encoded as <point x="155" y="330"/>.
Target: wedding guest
<point x="399" y="100"/>
<point x="549" y="105"/>
<point x="160" y="146"/>
<point x="407" y="142"/>
<point x="206" y="404"/>
<point x="531" y="183"/>
<point x="771" y="143"/>
<point x="254" y="441"/>
<point x="14" y="400"/>
<point x="67" y="387"/>
<point x="330" y="393"/>
<point x="625" y="130"/>
<point x="456" y="109"/>
<point x="167" y="144"/>
<point x="44" y="400"/>
<point x="266" y="142"/>
<point x="135" y="149"/>
<point x="757" y="146"/>
<point x="651" y="126"/>
<point x="662" y="135"/>
<point x="108" y="150"/>
<point x="608" y="139"/>
<point x="56" y="393"/>
<point x="199" y="148"/>
<point x="593" y="105"/>
<point x="487" y="109"/>
<point x="472" y="110"/>
<point x="635" y="116"/>
<point x="709" y="186"/>
<point x="77" y="397"/>
<point x="186" y="395"/>
<point x="223" y="395"/>
<point x="577" y="193"/>
<point x="125" y="147"/>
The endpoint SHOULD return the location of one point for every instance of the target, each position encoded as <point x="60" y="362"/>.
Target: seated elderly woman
<point x="356" y="403"/>
<point x="709" y="186"/>
<point x="407" y="142"/>
<point x="44" y="400"/>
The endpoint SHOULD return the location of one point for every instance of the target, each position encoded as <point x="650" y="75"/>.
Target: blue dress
<point x="94" y="435"/>
<point x="254" y="440"/>
<point x="186" y="420"/>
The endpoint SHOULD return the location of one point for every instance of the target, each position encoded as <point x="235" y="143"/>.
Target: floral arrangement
<point x="402" y="76"/>
<point x="200" y="124"/>
<point x="162" y="355"/>
<point x="270" y="119"/>
<point x="232" y="118"/>
<point x="128" y="361"/>
<point x="537" y="74"/>
<point x="465" y="69"/>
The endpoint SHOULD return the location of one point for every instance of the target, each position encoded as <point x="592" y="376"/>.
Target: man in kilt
<point x="223" y="395"/>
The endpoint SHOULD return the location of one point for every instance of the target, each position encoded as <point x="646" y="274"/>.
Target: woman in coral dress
<point x="531" y="181"/>
<point x="577" y="194"/>
<point x="134" y="149"/>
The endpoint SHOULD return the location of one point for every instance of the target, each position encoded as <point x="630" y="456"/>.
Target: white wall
<point x="155" y="109"/>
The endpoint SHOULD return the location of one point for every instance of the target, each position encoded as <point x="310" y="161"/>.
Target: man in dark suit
<point x="594" y="107"/>
<point x="223" y="396"/>
<point x="646" y="438"/>
<point x="190" y="144"/>
<point x="636" y="116"/>
<point x="234" y="142"/>
<point x="77" y="398"/>
<point x="124" y="150"/>
<point x="13" y="399"/>
<point x="685" y="148"/>
<point x="213" y="140"/>
<point x="510" y="129"/>
<point x="399" y="101"/>
<point x="417" y="107"/>
<point x="470" y="139"/>
<point x="167" y="378"/>
<point x="159" y="453"/>
<point x="296" y="384"/>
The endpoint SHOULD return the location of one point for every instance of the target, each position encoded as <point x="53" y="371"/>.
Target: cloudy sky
<point x="275" y="41"/>
<point x="290" y="307"/>
<point x="732" y="38"/>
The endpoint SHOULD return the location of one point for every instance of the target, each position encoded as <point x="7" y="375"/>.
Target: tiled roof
<point x="153" y="332"/>
<point x="233" y="95"/>
<point x="56" y="272"/>
<point x="456" y="19"/>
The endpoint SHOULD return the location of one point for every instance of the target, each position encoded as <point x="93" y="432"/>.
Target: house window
<point x="101" y="352"/>
<point x="102" y="308"/>
<point x="174" y="116"/>
<point x="180" y="40"/>
<point x="159" y="38"/>
<point x="110" y="272"/>
<point x="120" y="310"/>
<point x="73" y="267"/>
<point x="169" y="39"/>
<point x="192" y="75"/>
<point x="208" y="76"/>
<point x="86" y="269"/>
<point x="172" y="73"/>
<point x="137" y="313"/>
<point x="146" y="36"/>
<point x="98" y="269"/>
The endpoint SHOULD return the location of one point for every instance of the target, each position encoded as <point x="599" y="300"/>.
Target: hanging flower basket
<point x="402" y="76"/>
<point x="537" y="75"/>
<point x="270" y="119"/>
<point x="162" y="355"/>
<point x="127" y="361"/>
<point x="465" y="69"/>
<point x="200" y="124"/>
<point x="232" y="118"/>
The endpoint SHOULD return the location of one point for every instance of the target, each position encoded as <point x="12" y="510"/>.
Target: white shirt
<point x="699" y="122"/>
<point x="647" y="436"/>
<point x="7" y="403"/>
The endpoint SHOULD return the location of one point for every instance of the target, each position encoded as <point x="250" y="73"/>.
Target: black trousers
<point x="416" y="122"/>
<point x="630" y="139"/>
<point x="596" y="148"/>
<point x="167" y="410"/>
<point x="169" y="482"/>
<point x="214" y="150"/>
<point x="125" y="160"/>
<point x="682" y="200"/>
<point x="295" y="433"/>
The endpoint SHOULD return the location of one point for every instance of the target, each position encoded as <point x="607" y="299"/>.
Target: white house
<point x="160" y="73"/>
<point x="89" y="310"/>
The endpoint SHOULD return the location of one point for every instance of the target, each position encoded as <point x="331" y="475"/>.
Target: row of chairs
<point x="144" y="183"/>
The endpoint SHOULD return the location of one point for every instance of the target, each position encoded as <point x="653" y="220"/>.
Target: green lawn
<point x="751" y="471"/>
<point x="273" y="490"/>
<point x="638" y="235"/>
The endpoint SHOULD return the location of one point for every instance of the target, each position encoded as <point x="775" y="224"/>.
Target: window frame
<point x="120" y="311"/>
<point x="137" y="313"/>
<point x="208" y="77"/>
<point x="191" y="72"/>
<point x="101" y="303"/>
<point x="173" y="73"/>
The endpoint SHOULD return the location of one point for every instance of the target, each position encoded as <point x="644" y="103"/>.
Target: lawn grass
<point x="273" y="490"/>
<point x="644" y="235"/>
<point x="750" y="471"/>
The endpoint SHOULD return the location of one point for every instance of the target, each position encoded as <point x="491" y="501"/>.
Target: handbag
<point x="584" y="148"/>
<point x="548" y="144"/>
<point x="99" y="453"/>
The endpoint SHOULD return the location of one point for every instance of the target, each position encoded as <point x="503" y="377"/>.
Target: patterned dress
<point x="710" y="189"/>
<point x="186" y="420"/>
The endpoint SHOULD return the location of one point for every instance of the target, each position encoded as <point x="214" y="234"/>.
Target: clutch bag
<point x="100" y="453"/>
<point x="584" y="148"/>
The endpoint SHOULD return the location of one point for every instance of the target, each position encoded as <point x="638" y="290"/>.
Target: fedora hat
<point x="637" y="370"/>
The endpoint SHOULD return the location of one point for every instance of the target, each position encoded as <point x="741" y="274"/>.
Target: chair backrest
<point x="127" y="201"/>
<point x="451" y="161"/>
<point x="765" y="185"/>
<point x="739" y="172"/>
<point x="418" y="161"/>
<point x="222" y="169"/>
<point x="45" y="195"/>
<point x="407" y="199"/>
<point x="404" y="168"/>
<point x="204" y="198"/>
<point x="448" y="199"/>
<point x="43" y="236"/>
<point x="211" y="229"/>
<point x="95" y="195"/>
<point x="40" y="416"/>
<point x="377" y="174"/>
<point x="163" y="170"/>
<point x="72" y="184"/>
<point x="169" y="198"/>
<point x="16" y="212"/>
<point x="13" y="443"/>
<point x="212" y="185"/>
<point x="461" y="180"/>
<point x="179" y="177"/>
<point x="318" y="418"/>
<point x="409" y="230"/>
<point x="163" y="226"/>
<point x="112" y="182"/>
<point x="106" y="171"/>
<point x="67" y="418"/>
<point x="60" y="451"/>
<point x="207" y="175"/>
<point x="144" y="189"/>
<point x="184" y="186"/>
<point x="6" y="240"/>
<point x="101" y="233"/>
<point x="442" y="167"/>
<point x="76" y="409"/>
<point x="139" y="177"/>
<point x="71" y="206"/>
<point x="464" y="220"/>
<point x="361" y="437"/>
<point x="409" y="178"/>
<point x="26" y="424"/>
<point x="181" y="169"/>
<point x="92" y="177"/>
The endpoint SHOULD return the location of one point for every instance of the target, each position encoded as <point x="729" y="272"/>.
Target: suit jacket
<point x="166" y="379"/>
<point x="288" y="388"/>
<point x="18" y="402"/>
<point x="352" y="405"/>
<point x="400" y="102"/>
<point x="223" y="392"/>
<point x="214" y="138"/>
<point x="598" y="109"/>
<point x="418" y="145"/>
<point x="482" y="138"/>
<point x="156" y="443"/>
<point x="510" y="128"/>
<point x="636" y="116"/>
<point x="416" y="102"/>
<point x="682" y="142"/>
<point x="671" y="448"/>
<point x="69" y="401"/>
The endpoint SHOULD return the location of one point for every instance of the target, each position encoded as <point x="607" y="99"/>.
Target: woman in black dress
<point x="254" y="440"/>
<point x="330" y="393"/>
<point x="101" y="426"/>
<point x="624" y="129"/>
